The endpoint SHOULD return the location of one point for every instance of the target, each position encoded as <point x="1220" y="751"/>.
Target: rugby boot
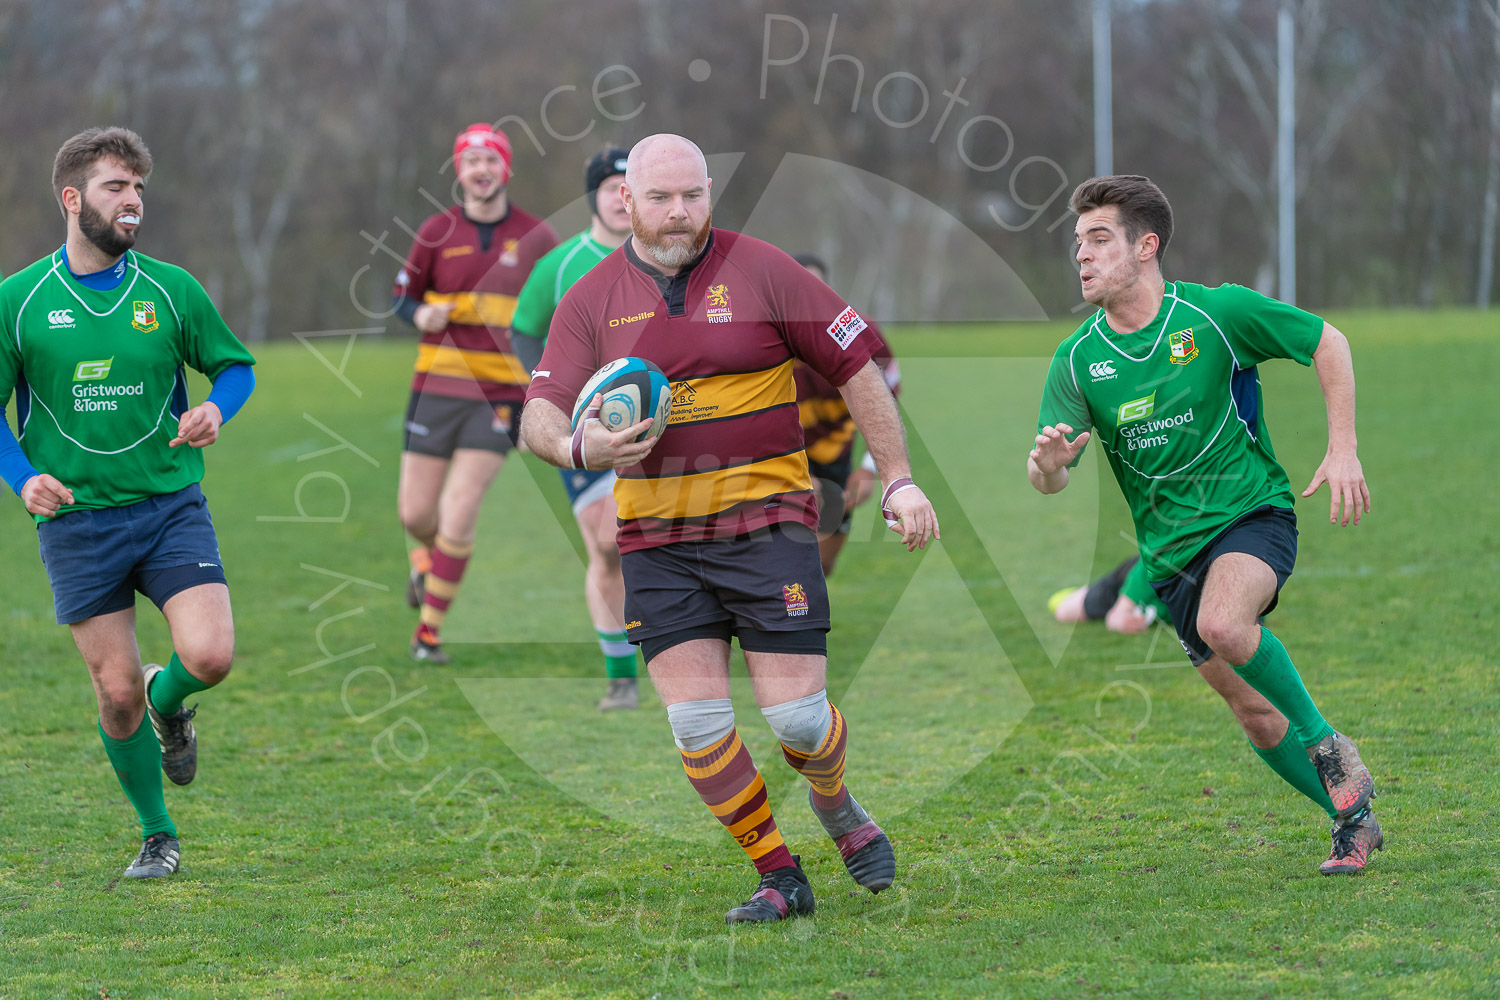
<point x="624" y="692"/>
<point x="1353" y="841"/>
<point x="158" y="858"/>
<point x="782" y="893"/>
<point x="1343" y="774"/>
<point x="866" y="850"/>
<point x="175" y="733"/>
<point x="426" y="647"/>
<point x="416" y="581"/>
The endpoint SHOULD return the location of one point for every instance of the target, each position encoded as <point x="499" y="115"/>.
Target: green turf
<point x="1075" y="814"/>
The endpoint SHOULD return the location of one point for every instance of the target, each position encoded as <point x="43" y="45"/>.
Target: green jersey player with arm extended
<point x="94" y="340"/>
<point x="1163" y="375"/>
<point x="591" y="492"/>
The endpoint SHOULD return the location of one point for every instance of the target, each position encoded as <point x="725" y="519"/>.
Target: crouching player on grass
<point x="93" y="340"/>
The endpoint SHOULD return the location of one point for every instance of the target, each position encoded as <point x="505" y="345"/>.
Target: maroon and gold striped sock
<point x="729" y="784"/>
<point x="448" y="561"/>
<point x="824" y="768"/>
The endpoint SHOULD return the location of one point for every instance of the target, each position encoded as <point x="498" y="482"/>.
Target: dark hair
<point x="811" y="260"/>
<point x="79" y="154"/>
<point x="1143" y="208"/>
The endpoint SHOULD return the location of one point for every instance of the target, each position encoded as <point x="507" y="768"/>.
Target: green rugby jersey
<point x="1176" y="406"/>
<point x="557" y="271"/>
<point x="98" y="375"/>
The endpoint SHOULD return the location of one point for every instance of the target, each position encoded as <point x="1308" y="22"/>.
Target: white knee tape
<point x="697" y="725"/>
<point x="801" y="724"/>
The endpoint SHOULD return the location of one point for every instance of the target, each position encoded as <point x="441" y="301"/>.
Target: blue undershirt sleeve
<point x="13" y="464"/>
<point x="406" y="308"/>
<point x="231" y="389"/>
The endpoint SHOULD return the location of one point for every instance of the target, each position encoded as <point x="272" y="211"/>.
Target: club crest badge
<point x="716" y="304"/>
<point x="796" y="600"/>
<point x="143" y="316"/>
<point x="1182" y="347"/>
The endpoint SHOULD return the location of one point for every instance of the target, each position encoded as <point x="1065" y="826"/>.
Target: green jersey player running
<point x="1164" y="374"/>
<point x="93" y="341"/>
<point x="590" y="492"/>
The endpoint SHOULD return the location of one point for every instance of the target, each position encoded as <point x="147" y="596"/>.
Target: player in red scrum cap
<point x="458" y="288"/>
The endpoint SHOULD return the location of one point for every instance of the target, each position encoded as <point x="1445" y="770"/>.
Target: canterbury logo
<point x="89" y="371"/>
<point x="60" y="317"/>
<point x="1102" y="370"/>
<point x="749" y="838"/>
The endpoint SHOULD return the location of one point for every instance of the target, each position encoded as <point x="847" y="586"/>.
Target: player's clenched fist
<point x="43" y="495"/>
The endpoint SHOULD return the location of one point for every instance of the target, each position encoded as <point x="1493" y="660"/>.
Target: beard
<point x="665" y="252"/>
<point x="102" y="232"/>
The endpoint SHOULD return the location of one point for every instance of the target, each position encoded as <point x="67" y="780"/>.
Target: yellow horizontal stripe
<point x="481" y="366"/>
<point x="476" y="308"/>
<point x="764" y="846"/>
<point x="821" y="411"/>
<point x="750" y="822"/>
<point x="827" y="449"/>
<point x="438" y="587"/>
<point x="728" y="806"/>
<point x="726" y="395"/>
<point x="712" y="769"/>
<point x="701" y="493"/>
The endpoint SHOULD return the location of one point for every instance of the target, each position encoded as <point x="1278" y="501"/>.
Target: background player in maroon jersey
<point x="459" y="288"/>
<point x="828" y="435"/>
<point x="717" y="514"/>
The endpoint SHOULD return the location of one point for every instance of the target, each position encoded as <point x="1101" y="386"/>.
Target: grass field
<point x="1075" y="814"/>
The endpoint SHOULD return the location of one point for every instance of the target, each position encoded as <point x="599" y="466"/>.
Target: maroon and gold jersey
<point x="480" y="268"/>
<point x="827" y="427"/>
<point x="727" y="332"/>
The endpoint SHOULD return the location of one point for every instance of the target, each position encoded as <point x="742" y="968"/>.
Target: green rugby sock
<point x="619" y="654"/>
<point x="172" y="685"/>
<point x="137" y="763"/>
<point x="1290" y="761"/>
<point x="1270" y="671"/>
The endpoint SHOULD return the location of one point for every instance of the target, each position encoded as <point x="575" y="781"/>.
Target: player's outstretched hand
<point x="1054" y="451"/>
<point x="601" y="448"/>
<point x="198" y="427"/>
<point x="1346" y="483"/>
<point x="908" y="512"/>
<point x="43" y="495"/>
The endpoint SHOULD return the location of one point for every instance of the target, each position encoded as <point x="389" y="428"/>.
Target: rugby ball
<point x="633" y="389"/>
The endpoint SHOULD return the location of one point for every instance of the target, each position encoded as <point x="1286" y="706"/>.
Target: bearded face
<point x="675" y="240"/>
<point x="110" y="236"/>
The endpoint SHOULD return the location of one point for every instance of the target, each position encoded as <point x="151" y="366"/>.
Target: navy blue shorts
<point x="585" y="486"/>
<point x="98" y="559"/>
<point x="1267" y="533"/>
<point x="765" y="588"/>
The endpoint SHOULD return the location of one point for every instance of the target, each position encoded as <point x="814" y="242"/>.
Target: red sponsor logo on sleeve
<point x="845" y="327"/>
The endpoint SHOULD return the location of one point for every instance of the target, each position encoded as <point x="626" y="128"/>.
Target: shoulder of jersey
<point x="562" y="249"/>
<point x="1078" y="334"/>
<point x="27" y="275"/>
<point x="444" y="219"/>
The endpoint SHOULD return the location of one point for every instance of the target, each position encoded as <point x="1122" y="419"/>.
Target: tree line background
<point x="298" y="142"/>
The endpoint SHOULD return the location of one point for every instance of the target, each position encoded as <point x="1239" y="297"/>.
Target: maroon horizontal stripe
<point x="467" y="388"/>
<point x="741" y="519"/>
<point x="688" y="448"/>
